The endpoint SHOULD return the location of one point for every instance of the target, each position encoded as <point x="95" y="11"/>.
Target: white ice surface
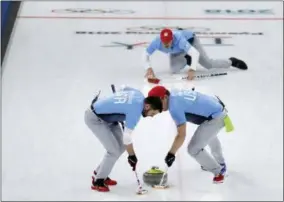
<point x="51" y="75"/>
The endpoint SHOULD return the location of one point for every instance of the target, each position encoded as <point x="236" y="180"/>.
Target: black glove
<point x="170" y="158"/>
<point x="132" y="160"/>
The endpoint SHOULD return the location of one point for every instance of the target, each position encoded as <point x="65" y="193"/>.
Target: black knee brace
<point x="188" y="59"/>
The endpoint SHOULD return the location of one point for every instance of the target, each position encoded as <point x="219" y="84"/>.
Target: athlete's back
<point x="187" y="34"/>
<point x="125" y="105"/>
<point x="193" y="106"/>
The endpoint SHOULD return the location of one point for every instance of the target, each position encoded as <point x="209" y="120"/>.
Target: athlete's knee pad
<point x="193" y="151"/>
<point x="114" y="151"/>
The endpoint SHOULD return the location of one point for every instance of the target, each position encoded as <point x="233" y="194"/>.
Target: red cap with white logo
<point x="166" y="35"/>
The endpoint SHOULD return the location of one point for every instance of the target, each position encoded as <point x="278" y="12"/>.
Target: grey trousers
<point x="111" y="137"/>
<point x="206" y="134"/>
<point x="178" y="61"/>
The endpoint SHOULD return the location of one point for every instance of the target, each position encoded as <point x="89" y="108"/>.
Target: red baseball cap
<point x="158" y="91"/>
<point x="166" y="35"/>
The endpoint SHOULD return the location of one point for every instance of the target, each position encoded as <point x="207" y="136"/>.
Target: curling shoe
<point x="108" y="181"/>
<point x="221" y="176"/>
<point x="100" y="186"/>
<point x="238" y="63"/>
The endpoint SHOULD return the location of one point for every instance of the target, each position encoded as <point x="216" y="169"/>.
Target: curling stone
<point x="154" y="176"/>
